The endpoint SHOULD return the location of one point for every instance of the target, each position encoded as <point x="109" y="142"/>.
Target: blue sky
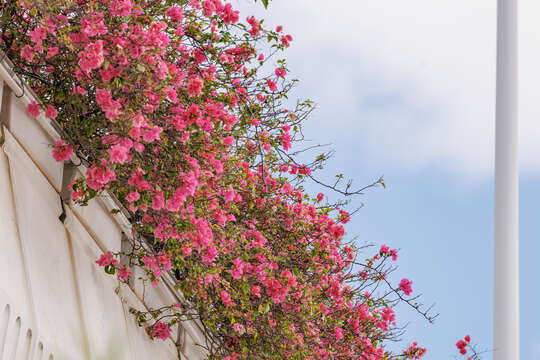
<point x="405" y="89"/>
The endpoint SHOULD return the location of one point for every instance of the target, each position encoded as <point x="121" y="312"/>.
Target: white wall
<point x="55" y="302"/>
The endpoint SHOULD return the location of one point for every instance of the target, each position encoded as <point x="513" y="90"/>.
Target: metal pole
<point x="506" y="249"/>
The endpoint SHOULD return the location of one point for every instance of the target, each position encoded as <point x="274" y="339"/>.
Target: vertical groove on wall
<point x="4" y="324"/>
<point x="17" y="332"/>
<point x="77" y="293"/>
<point x="39" y="351"/>
<point x="27" y="345"/>
<point x="20" y="241"/>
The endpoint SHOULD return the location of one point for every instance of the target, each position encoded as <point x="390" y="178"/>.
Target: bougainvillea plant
<point x="467" y="350"/>
<point x="176" y="108"/>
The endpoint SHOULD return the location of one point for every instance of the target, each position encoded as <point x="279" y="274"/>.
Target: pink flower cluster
<point x="159" y="330"/>
<point x="106" y="260"/>
<point x="33" y="109"/>
<point x="405" y="286"/>
<point x="62" y="151"/>
<point x="386" y="251"/>
<point x="462" y="345"/>
<point x="194" y="87"/>
<point x="98" y="177"/>
<point x="157" y="264"/>
<point x="255" y="26"/>
<point x="123" y="273"/>
<point x="93" y="57"/>
<point x="112" y="108"/>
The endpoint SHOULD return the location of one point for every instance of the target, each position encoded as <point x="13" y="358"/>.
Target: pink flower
<point x="160" y="330"/>
<point x="226" y="298"/>
<point x="152" y="134"/>
<point x="93" y="25"/>
<point x="123" y="273"/>
<point x="229" y="195"/>
<point x="139" y="120"/>
<point x="27" y="53"/>
<point x="194" y="87"/>
<point x="109" y="73"/>
<point x="175" y="13"/>
<point x="256" y="291"/>
<point x="271" y="85"/>
<point x="93" y="56"/>
<point x="286" y="40"/>
<point x="79" y="90"/>
<point x="106" y="260"/>
<point x="405" y="286"/>
<point x="462" y="346"/>
<point x="229" y="140"/>
<point x="338" y="332"/>
<point x="414" y="352"/>
<point x="238" y="270"/>
<point x="239" y="328"/>
<point x="320" y="196"/>
<point x="158" y="201"/>
<point x="281" y="72"/>
<point x="121" y="8"/>
<point x="51" y="112"/>
<point x="210" y="255"/>
<point x="99" y="176"/>
<point x="255" y="26"/>
<point x="165" y="261"/>
<point x="172" y="95"/>
<point x="118" y="154"/>
<point x="33" y="109"/>
<point x="286" y="141"/>
<point x="112" y="108"/>
<point x="61" y="151"/>
<point x="132" y="196"/>
<point x="229" y="15"/>
<point x="38" y="35"/>
<point x="152" y="264"/>
<point x="279" y="28"/>
<point x="208" y="8"/>
<point x="388" y="315"/>
<point x="52" y="52"/>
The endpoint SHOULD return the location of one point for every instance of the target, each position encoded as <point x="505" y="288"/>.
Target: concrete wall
<point x="55" y="302"/>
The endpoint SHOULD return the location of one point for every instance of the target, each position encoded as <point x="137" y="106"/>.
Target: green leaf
<point x="264" y="308"/>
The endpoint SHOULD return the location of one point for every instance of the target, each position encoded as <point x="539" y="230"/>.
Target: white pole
<point x="506" y="254"/>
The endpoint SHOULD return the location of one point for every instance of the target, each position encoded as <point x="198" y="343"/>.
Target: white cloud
<point x="410" y="83"/>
